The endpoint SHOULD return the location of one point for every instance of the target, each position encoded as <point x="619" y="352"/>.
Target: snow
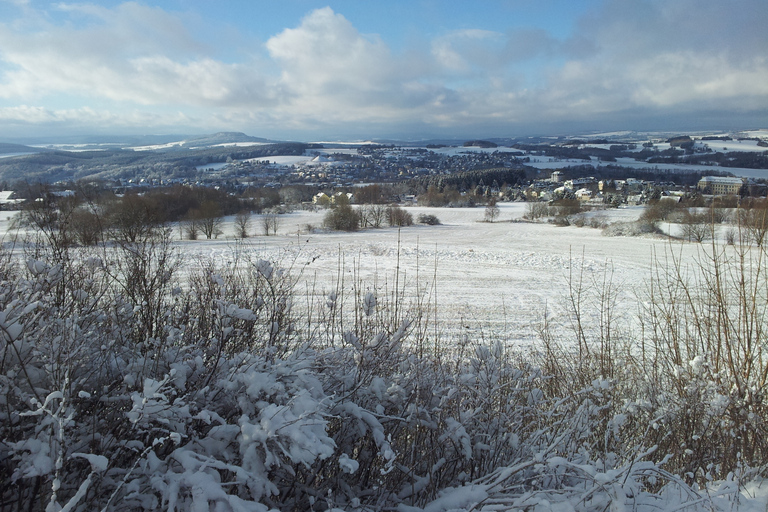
<point x="732" y="145"/>
<point x="348" y="465"/>
<point x="460" y="150"/>
<point x="287" y="160"/>
<point x="544" y="162"/>
<point x="157" y="147"/>
<point x="11" y="155"/>
<point x="98" y="463"/>
<point x="239" y="144"/>
<point x="216" y="166"/>
<point x="761" y="134"/>
<point x="489" y="283"/>
<point x="501" y="277"/>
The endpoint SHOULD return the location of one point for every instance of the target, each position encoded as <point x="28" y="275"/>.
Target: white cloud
<point x="89" y="117"/>
<point x="133" y="54"/>
<point x="463" y="50"/>
<point x="135" y="64"/>
<point x="326" y="60"/>
<point x="667" y="58"/>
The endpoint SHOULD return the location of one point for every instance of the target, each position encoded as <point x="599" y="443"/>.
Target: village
<point x="405" y="175"/>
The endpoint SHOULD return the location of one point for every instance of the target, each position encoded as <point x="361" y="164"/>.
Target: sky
<point x="359" y="69"/>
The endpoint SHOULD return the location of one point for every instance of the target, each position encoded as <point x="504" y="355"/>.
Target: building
<point x="720" y="185"/>
<point x="577" y="183"/>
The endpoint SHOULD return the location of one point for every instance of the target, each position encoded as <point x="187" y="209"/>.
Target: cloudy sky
<point x="308" y="70"/>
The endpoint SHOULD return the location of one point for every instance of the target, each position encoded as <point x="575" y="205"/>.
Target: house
<point x="577" y="183"/>
<point x="321" y="198"/>
<point x="632" y="185"/>
<point x="7" y="199"/>
<point x="337" y="197"/>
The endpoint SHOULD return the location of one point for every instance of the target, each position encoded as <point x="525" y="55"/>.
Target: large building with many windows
<point x="721" y="185"/>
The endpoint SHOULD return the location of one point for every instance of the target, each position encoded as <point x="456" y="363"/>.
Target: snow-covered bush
<point x="127" y="384"/>
<point x="636" y="228"/>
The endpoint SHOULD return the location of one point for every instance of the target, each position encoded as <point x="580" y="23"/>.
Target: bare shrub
<point x="696" y="227"/>
<point x="399" y="216"/>
<point x="719" y="215"/>
<point x="630" y="229"/>
<point x="688" y="374"/>
<point x="579" y="220"/>
<point x="536" y="210"/>
<point x="753" y="221"/>
<point x="342" y="218"/>
<point x="704" y="330"/>
<point x="566" y="207"/>
<point x="658" y="211"/>
<point x="428" y="219"/>
<point x="598" y="221"/>
<point x="491" y="211"/>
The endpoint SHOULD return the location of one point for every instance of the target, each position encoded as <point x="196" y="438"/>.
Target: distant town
<point x="239" y="171"/>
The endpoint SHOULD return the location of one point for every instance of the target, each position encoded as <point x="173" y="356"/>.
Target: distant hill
<point x="6" y="149"/>
<point x="225" y="138"/>
<point x="109" y="162"/>
<point x="173" y="141"/>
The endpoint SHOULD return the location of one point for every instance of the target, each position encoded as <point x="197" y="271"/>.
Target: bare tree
<point x="209" y="219"/>
<point x="754" y="222"/>
<point x="491" y="211"/>
<point x="243" y="224"/>
<point x="697" y="226"/>
<point x="133" y="218"/>
<point x="86" y="226"/>
<point x="269" y="223"/>
<point x="535" y="210"/>
<point x="372" y="215"/>
<point x="190" y="227"/>
<point x="51" y="218"/>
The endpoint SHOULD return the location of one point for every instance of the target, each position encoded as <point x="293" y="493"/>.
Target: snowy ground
<point x="499" y="278"/>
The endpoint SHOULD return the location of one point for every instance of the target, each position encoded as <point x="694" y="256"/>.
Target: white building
<point x="721" y="185"/>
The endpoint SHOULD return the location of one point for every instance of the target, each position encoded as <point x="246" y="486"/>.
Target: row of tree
<point x="87" y="218"/>
<point x="344" y="217"/>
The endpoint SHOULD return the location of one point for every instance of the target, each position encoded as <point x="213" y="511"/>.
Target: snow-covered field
<point x="490" y="281"/>
<point x="500" y="278"/>
<point x="497" y="277"/>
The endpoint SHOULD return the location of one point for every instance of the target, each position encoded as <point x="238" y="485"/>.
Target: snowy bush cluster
<point x="129" y="384"/>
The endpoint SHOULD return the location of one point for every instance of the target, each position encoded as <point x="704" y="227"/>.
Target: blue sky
<point x="307" y="70"/>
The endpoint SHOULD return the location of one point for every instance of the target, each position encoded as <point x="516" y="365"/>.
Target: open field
<point x="496" y="277"/>
<point x="602" y="410"/>
<point x="499" y="278"/>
